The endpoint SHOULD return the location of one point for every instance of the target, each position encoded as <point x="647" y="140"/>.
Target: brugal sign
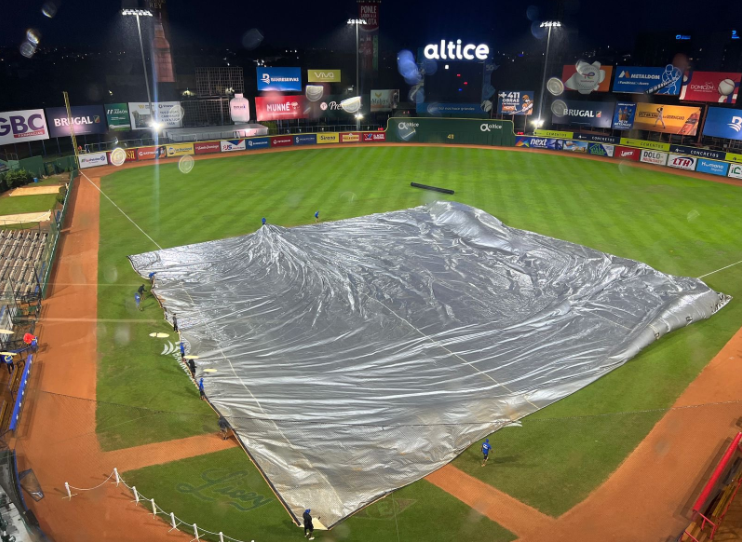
<point x="456" y="51"/>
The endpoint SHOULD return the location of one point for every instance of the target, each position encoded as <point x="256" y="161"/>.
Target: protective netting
<point x="355" y="357"/>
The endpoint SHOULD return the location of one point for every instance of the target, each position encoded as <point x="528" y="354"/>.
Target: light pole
<point x="143" y="13"/>
<point x="356" y="23"/>
<point x="546" y="24"/>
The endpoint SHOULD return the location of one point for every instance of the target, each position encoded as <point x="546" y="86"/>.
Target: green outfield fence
<point x="50" y="251"/>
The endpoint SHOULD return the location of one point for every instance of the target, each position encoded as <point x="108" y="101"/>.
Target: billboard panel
<point x="601" y="149"/>
<point x="593" y="114"/>
<point x="280" y="108"/>
<point x="437" y="109"/>
<point x="170" y="114"/>
<point x="323" y="76"/>
<point x="131" y="156"/>
<point x="87" y="119"/>
<point x="586" y="78"/>
<point x="627" y="153"/>
<point x="623" y="118"/>
<point x="279" y="79"/>
<point x="713" y="167"/>
<point x="655" y="145"/>
<point x="716" y="87"/>
<point x="26" y="125"/>
<point x="735" y="170"/>
<point x="680" y="161"/>
<point x="726" y="123"/>
<point x="206" y="147"/>
<point x="538" y="143"/>
<point x="328" y="138"/>
<point x="694" y="151"/>
<point x="384" y="100"/>
<point x="597" y="138"/>
<point x="257" y="143"/>
<point x="653" y="157"/>
<point x="350" y="137"/>
<point x="179" y="149"/>
<point x="282" y="141"/>
<point x="368" y="41"/>
<point x="305" y="139"/>
<point x="117" y="116"/>
<point x="93" y="159"/>
<point x="575" y="146"/>
<point x="151" y="153"/>
<point x="554" y="133"/>
<point x="639" y="80"/>
<point x="372" y="137"/>
<point x="231" y="145"/>
<point x="668" y="119"/>
<point x="515" y="102"/>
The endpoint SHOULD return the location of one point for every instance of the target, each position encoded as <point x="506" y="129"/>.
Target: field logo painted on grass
<point x="221" y="486"/>
<point x="386" y="509"/>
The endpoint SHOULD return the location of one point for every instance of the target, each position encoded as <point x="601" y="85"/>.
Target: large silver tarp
<point x="358" y="356"/>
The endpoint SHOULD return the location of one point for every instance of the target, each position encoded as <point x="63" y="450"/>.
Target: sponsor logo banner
<point x="26" y="125"/>
<point x="87" y="119"/>
<point x="586" y="78"/>
<point x="131" y="156"/>
<point x="626" y="153"/>
<point x="515" y="102"/>
<point x="575" y="146"/>
<point x="231" y="145"/>
<point x="305" y="139"/>
<point x="594" y="114"/>
<point x="384" y="100"/>
<point x="731" y="157"/>
<point x="370" y="137"/>
<point x="279" y="79"/>
<point x="282" y="141"/>
<point x="680" y="161"/>
<point x="554" y="133"/>
<point x="170" y="114"/>
<point x="653" y="157"/>
<point x="207" y="147"/>
<point x="328" y="138"/>
<point x="281" y="108"/>
<point x="179" y="149"/>
<point x="94" y="159"/>
<point x="600" y="149"/>
<point x="450" y="110"/>
<point x="693" y="151"/>
<point x="645" y="144"/>
<point x="597" y="138"/>
<point x="726" y="123"/>
<point x="718" y="87"/>
<point x="735" y="170"/>
<point x="257" y="143"/>
<point x="151" y="153"/>
<point x="350" y="137"/>
<point x="538" y="143"/>
<point x="323" y="76"/>
<point x="668" y="119"/>
<point x="117" y="116"/>
<point x="638" y="80"/>
<point x="713" y="167"/>
<point x="623" y="118"/>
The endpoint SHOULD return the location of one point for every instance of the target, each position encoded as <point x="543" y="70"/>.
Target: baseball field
<point x="677" y="224"/>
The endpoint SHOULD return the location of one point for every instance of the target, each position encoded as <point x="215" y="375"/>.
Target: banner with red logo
<point x="587" y="78"/>
<point x="277" y="107"/>
<point x="681" y="161"/>
<point x="151" y="153"/>
<point x="368" y="41"/>
<point x="131" y="155"/>
<point x="206" y="147"/>
<point x="626" y="153"/>
<point x="350" y="137"/>
<point x="370" y="137"/>
<point x="282" y="141"/>
<point x="716" y="87"/>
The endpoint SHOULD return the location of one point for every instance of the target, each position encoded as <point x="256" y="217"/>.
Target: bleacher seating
<point x="20" y="254"/>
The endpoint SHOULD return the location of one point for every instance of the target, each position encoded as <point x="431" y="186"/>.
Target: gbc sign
<point x="18" y="126"/>
<point x="456" y="51"/>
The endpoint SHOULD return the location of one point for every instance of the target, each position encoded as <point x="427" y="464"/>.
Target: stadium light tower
<point x="356" y="23"/>
<point x="143" y="13"/>
<point x="546" y="24"/>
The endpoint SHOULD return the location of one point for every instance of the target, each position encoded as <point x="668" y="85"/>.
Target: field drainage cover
<point x="358" y="356"/>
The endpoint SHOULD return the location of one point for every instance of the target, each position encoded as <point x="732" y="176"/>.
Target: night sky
<point x="501" y="24"/>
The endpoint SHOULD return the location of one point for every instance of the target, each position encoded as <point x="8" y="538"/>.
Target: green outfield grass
<point x="677" y="224"/>
<point x="224" y="492"/>
<point x="27" y="204"/>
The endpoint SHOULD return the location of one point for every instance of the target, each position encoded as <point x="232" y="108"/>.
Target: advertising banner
<point x="575" y="146"/>
<point x="735" y="170"/>
<point x="257" y="143"/>
<point x="206" y="147"/>
<point x="586" y="78"/>
<point x="131" y="156"/>
<point x="623" y="118"/>
<point x="450" y="110"/>
<point x="731" y="157"/>
<point x="538" y="143"/>
<point x="725" y="123"/>
<point x="638" y="80"/>
<point x="151" y="153"/>
<point x="593" y="114"/>
<point x="282" y="141"/>
<point x="515" y="102"/>
<point x="680" y="161"/>
<point x="713" y="167"/>
<point x="350" y="137"/>
<point x="93" y="159"/>
<point x="117" y="116"/>
<point x="625" y="153"/>
<point x="600" y="149"/>
<point x="305" y="139"/>
<point x="286" y="79"/>
<point x="716" y="87"/>
<point x="667" y="119"/>
<point x="170" y="114"/>
<point x="280" y="108"/>
<point x="373" y="137"/>
<point x="554" y="133"/>
<point x="239" y="109"/>
<point x="328" y="138"/>
<point x="653" y="157"/>
<point x="368" y="41"/>
<point x="645" y="144"/>
<point x="693" y="151"/>
<point x="384" y="100"/>
<point x="323" y="76"/>
<point x="87" y="119"/>
<point x="18" y="126"/>
<point x="597" y="138"/>
<point x="450" y="131"/>
<point x="179" y="149"/>
<point x="231" y="145"/>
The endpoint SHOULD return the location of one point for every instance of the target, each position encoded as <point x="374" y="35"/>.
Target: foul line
<point x="721" y="269"/>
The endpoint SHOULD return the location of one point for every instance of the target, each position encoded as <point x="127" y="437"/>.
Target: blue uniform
<point x="137" y="298"/>
<point x="486" y="449"/>
<point x="182" y="349"/>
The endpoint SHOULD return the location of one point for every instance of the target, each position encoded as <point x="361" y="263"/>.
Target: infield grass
<point x="677" y="224"/>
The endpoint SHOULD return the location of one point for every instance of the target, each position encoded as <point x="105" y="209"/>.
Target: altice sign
<point x="456" y="51"/>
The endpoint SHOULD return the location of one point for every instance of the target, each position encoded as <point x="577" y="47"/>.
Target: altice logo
<point x="456" y="51"/>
